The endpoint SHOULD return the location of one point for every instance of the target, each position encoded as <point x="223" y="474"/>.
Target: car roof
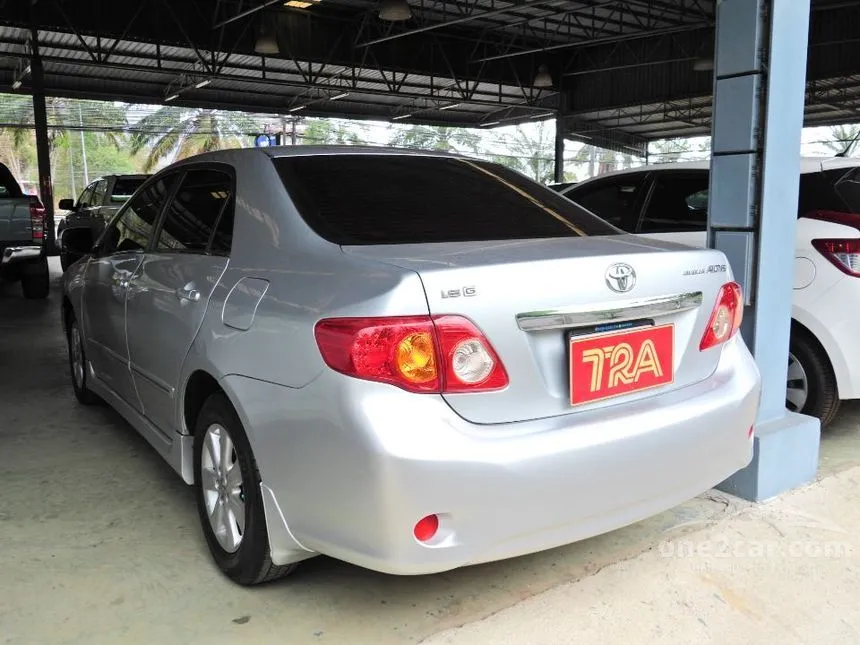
<point x="807" y="165"/>
<point x="304" y="151"/>
<point x="129" y="176"/>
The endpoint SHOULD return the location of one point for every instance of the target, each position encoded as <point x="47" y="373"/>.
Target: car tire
<point x="36" y="280"/>
<point x="809" y="370"/>
<point x="236" y="533"/>
<point x="78" y="366"/>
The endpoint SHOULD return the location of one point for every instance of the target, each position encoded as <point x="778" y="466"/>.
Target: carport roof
<point x="625" y="70"/>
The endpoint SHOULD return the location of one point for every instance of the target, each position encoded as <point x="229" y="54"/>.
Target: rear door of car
<point x="169" y="292"/>
<point x="118" y="254"/>
<point x="676" y="208"/>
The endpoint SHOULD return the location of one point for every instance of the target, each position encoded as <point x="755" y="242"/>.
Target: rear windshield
<point x="8" y="186"/>
<point x="847" y="187"/>
<point x="357" y="199"/>
<point x="125" y="187"/>
<point x="831" y="190"/>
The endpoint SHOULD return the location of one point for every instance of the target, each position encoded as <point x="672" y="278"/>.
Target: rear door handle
<point x="188" y="293"/>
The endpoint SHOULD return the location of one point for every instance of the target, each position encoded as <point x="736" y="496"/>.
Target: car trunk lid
<point x="530" y="296"/>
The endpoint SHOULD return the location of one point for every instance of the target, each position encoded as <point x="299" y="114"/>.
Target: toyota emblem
<point x="620" y="277"/>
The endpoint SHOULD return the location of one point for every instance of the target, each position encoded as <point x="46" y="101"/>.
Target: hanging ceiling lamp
<point x="394" y="10"/>
<point x="267" y="44"/>
<point x="543" y="79"/>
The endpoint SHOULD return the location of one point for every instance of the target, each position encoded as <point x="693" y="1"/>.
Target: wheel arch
<point x="798" y="328"/>
<point x="199" y="386"/>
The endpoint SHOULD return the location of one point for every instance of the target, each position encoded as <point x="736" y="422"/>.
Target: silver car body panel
<point x="349" y="466"/>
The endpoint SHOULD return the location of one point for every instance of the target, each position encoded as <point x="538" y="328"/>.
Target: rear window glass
<point x="124" y="188"/>
<point x="404" y="199"/>
<point x="848" y="189"/>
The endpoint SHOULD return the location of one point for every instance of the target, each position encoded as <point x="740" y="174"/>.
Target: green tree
<point x="333" y="132"/>
<point x="669" y="150"/>
<point x="442" y="138"/>
<point x="531" y="151"/>
<point x="103" y="122"/>
<point x="176" y="133"/>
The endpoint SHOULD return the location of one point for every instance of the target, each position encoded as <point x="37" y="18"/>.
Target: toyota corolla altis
<point x="411" y="362"/>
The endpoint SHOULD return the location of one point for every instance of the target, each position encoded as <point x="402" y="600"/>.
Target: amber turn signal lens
<point x="415" y="358"/>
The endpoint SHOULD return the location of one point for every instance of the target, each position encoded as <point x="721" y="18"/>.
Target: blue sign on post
<point x="263" y="141"/>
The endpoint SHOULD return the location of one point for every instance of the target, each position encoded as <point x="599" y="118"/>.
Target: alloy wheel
<point x="221" y="484"/>
<point x="797" y="385"/>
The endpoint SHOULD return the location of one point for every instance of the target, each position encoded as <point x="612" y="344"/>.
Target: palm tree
<point x="531" y="151"/>
<point x="103" y="122"/>
<point x="177" y="132"/>
<point x="843" y="139"/>
<point x="669" y="150"/>
<point x="333" y="132"/>
<point x="442" y="138"/>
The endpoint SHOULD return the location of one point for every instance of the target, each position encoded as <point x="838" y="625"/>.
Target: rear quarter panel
<point x="308" y="279"/>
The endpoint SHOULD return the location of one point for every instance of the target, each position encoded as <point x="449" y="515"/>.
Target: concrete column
<point x="759" y="89"/>
<point x="43" y="148"/>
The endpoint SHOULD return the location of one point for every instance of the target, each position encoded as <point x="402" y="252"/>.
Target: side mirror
<point x="67" y="204"/>
<point x="77" y="242"/>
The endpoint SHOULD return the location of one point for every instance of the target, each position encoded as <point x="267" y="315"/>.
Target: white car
<point x="670" y="202"/>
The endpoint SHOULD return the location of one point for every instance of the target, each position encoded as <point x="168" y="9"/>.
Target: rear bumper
<point x="12" y="255"/>
<point x="354" y="465"/>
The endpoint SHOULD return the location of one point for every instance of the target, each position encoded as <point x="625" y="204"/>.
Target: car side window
<point x="197" y="209"/>
<point x="678" y="203"/>
<point x="222" y="240"/>
<point x="86" y="198"/>
<point x="614" y="200"/>
<point x="132" y="229"/>
<point x="99" y="193"/>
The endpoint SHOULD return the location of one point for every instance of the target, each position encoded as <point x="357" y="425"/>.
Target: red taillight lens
<point x="37" y="220"/>
<point x="844" y="254"/>
<point x="726" y="318"/>
<point x="426" y="528"/>
<point x="417" y="353"/>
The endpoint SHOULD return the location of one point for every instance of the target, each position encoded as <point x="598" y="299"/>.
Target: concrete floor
<point x="101" y="542"/>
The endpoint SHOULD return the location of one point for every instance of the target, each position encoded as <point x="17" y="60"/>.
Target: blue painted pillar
<point x="759" y="90"/>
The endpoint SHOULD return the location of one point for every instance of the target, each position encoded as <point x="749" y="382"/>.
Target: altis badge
<point x="712" y="268"/>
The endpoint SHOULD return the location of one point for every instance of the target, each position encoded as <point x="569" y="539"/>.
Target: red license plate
<point x="616" y="363"/>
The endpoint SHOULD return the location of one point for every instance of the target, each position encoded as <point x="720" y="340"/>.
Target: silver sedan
<point x="411" y="362"/>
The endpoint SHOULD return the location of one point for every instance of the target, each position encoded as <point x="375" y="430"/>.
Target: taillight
<point x="37" y="220"/>
<point x="726" y="317"/>
<point x="443" y="354"/>
<point x="844" y="254"/>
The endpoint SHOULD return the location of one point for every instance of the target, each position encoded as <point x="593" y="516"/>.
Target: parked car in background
<point x="670" y="202"/>
<point x="561" y="187"/>
<point x="409" y="361"/>
<point x="22" y="238"/>
<point x="95" y="206"/>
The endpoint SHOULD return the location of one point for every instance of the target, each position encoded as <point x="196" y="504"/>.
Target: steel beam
<point x="450" y="23"/>
<point x="596" y="41"/>
<point x="43" y="146"/>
